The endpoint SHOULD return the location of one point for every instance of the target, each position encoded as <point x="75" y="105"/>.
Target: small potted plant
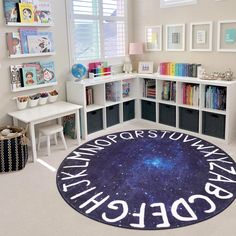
<point x="22" y="102"/>
<point x="43" y="98"/>
<point x="53" y="95"/>
<point x="33" y="100"/>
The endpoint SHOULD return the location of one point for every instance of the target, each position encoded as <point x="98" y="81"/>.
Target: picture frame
<point x="175" y="37"/>
<point x="153" y="38"/>
<point x="145" y="67"/>
<point x="201" y="36"/>
<point x="226" y="40"/>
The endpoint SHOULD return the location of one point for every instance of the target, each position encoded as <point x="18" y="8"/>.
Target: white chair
<point x="49" y="131"/>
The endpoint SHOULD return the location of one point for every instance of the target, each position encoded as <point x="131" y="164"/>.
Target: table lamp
<point x="134" y="49"/>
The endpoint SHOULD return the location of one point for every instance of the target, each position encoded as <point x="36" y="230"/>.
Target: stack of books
<point x="29" y="40"/>
<point x="169" y="91"/>
<point x="113" y="92"/>
<point x="89" y="96"/>
<point x="215" y="97"/>
<point x="28" y="11"/>
<point x="190" y="94"/>
<point x="149" y="88"/>
<point x="179" y="69"/>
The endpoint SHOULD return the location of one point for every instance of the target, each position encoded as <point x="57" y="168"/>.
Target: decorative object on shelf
<point x="96" y="69"/>
<point x="153" y="38"/>
<point x="175" y="37"/>
<point x="201" y="36"/>
<point x="79" y="71"/>
<point x="226" y="36"/>
<point x="13" y="139"/>
<point x="145" y="67"/>
<point x="53" y="95"/>
<point x="227" y="76"/>
<point x="22" y="102"/>
<point x="43" y="98"/>
<point x="135" y="49"/>
<point x="127" y="67"/>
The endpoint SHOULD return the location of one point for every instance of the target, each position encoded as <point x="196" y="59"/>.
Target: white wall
<point x="61" y="60"/>
<point x="148" y="12"/>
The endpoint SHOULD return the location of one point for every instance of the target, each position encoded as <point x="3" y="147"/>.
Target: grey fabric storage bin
<point x="167" y="114"/>
<point x="113" y="115"/>
<point x="128" y="110"/>
<point x="213" y="124"/>
<point x="148" y="110"/>
<point x="189" y="119"/>
<point x="94" y="121"/>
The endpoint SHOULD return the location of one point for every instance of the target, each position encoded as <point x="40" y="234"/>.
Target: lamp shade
<point x="135" y="48"/>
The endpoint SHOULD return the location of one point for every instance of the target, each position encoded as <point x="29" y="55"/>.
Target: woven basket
<point x="13" y="150"/>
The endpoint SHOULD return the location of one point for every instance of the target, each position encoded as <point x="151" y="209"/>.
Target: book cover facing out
<point x="10" y="10"/>
<point x="13" y="43"/>
<point x="26" y="12"/>
<point x="29" y="76"/>
<point x="39" y="44"/>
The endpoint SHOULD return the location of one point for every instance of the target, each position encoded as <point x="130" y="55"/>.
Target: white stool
<point x="51" y="130"/>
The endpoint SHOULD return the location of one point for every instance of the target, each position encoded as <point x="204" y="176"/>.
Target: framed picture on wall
<point x="201" y="36"/>
<point x="145" y="67"/>
<point x="175" y="37"/>
<point x="153" y="38"/>
<point x="226" y="36"/>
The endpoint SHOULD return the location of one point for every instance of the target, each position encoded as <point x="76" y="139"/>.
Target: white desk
<point x="36" y="115"/>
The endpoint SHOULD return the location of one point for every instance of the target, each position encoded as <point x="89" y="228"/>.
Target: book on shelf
<point x="11" y="10"/>
<point x="26" y="10"/>
<point x="89" y="96"/>
<point x="125" y="89"/>
<point x="16" y="76"/>
<point x="13" y="43"/>
<point x="215" y="97"/>
<point x="39" y="44"/>
<point x="113" y="91"/>
<point x="43" y="11"/>
<point x="190" y="94"/>
<point x="24" y="33"/>
<point x="149" y="88"/>
<point x="29" y="76"/>
<point x="168" y="91"/>
<point x="48" y="72"/>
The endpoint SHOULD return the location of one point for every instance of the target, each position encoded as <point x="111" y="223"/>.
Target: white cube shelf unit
<point x="181" y="102"/>
<point x="107" y="101"/>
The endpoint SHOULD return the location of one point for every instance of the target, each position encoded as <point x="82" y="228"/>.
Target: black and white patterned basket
<point x="13" y="151"/>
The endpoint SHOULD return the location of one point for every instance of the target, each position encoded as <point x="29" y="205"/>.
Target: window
<point x="175" y="3"/>
<point x="97" y="29"/>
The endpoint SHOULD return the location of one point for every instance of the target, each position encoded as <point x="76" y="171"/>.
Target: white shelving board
<point x="34" y="87"/>
<point x="32" y="55"/>
<point x="35" y="24"/>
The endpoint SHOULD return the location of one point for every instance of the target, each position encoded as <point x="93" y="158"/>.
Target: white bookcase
<point x="194" y="119"/>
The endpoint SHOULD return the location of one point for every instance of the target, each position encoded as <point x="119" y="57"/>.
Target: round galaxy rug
<point x="148" y="179"/>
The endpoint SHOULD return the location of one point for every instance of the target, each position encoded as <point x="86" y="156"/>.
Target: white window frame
<point x="112" y="61"/>
<point x="176" y="3"/>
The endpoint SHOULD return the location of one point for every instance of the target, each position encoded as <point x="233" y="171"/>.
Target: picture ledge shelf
<point x="17" y="24"/>
<point x="34" y="87"/>
<point x="33" y="55"/>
